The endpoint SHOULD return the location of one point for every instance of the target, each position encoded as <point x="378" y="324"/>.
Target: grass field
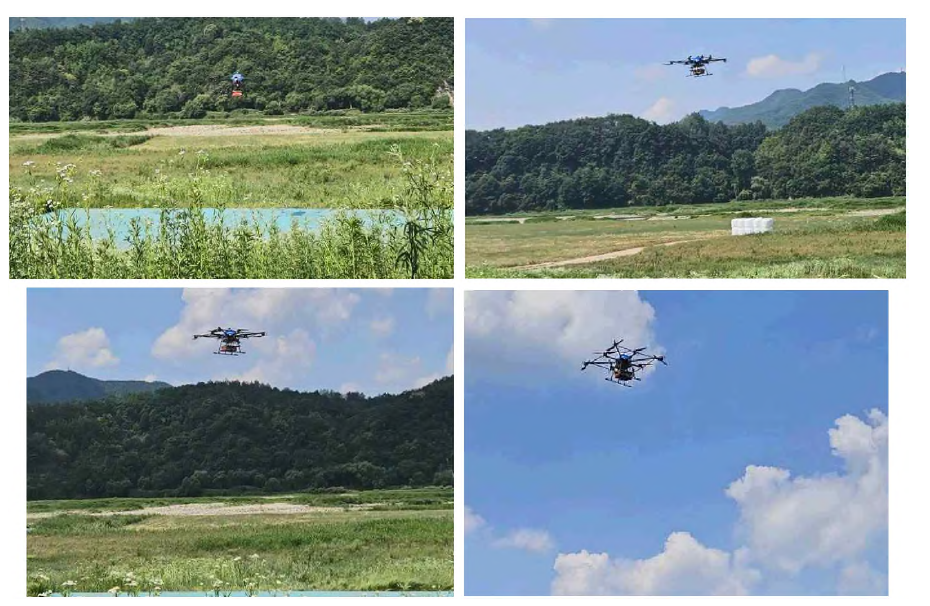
<point x="391" y="540"/>
<point x="817" y="238"/>
<point x="297" y="162"/>
<point x="409" y="174"/>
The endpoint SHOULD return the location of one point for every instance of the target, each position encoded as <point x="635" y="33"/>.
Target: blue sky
<point x="534" y="71"/>
<point x="369" y="340"/>
<point x="561" y="465"/>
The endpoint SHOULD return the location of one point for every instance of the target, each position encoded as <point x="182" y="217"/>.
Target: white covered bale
<point x="755" y="225"/>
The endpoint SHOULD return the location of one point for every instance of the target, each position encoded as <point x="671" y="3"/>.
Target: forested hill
<point x="236" y="438"/>
<point x="782" y="105"/>
<point x="69" y="386"/>
<point x="620" y="161"/>
<point x="20" y="23"/>
<point x="181" y="66"/>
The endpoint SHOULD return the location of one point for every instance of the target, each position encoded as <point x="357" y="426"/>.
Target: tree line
<point x="621" y="160"/>
<point x="180" y="67"/>
<point x="239" y="438"/>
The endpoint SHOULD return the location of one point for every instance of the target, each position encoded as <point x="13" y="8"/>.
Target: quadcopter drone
<point x="229" y="339"/>
<point x="697" y="65"/>
<point x="622" y="363"/>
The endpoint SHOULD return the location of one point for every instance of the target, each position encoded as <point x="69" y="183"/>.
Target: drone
<point x="229" y="339"/>
<point x="622" y="363"/>
<point x="697" y="65"/>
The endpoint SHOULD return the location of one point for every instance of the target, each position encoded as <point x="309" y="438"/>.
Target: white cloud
<point x="662" y="111"/>
<point x="858" y="578"/>
<point x="439" y="301"/>
<point x="382" y="326"/>
<point x="473" y="521"/>
<point x="427" y="379"/>
<point x="685" y="567"/>
<point x="651" y="73"/>
<point x="505" y="330"/>
<point x="528" y="539"/>
<point x="792" y="523"/>
<point x="395" y="369"/>
<point x="773" y="66"/>
<point x="542" y="25"/>
<point x="281" y="357"/>
<point x="150" y="378"/>
<point x="273" y="310"/>
<point x="285" y="352"/>
<point x="831" y="522"/>
<point x="83" y="350"/>
<point x="350" y="388"/>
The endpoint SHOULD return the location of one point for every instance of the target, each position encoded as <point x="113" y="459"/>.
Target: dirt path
<point x="197" y="130"/>
<point x="520" y="220"/>
<point x="207" y="509"/>
<point x="627" y="252"/>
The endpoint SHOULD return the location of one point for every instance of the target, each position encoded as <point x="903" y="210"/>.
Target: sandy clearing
<point x="220" y="130"/>
<point x="627" y="252"/>
<point x="874" y="212"/>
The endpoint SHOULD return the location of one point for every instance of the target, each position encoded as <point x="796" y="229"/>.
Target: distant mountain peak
<point x="59" y="385"/>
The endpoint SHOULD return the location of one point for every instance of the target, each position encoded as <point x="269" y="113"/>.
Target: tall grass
<point x="298" y="170"/>
<point x="411" y="238"/>
<point x="338" y="551"/>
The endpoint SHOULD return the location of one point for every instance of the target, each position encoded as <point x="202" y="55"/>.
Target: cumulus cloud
<point x="788" y="524"/>
<point x="83" y="350"/>
<point x="773" y="66"/>
<point x="662" y="111"/>
<point x="272" y="309"/>
<point x="382" y="326"/>
<point x="651" y="73"/>
<point x="528" y="539"/>
<point x="439" y="301"/>
<point x="473" y="521"/>
<point x="792" y="523"/>
<point x="294" y="318"/>
<point x="542" y="25"/>
<point x="281" y="356"/>
<point x="858" y="578"/>
<point x="552" y="329"/>
<point x="684" y="567"/>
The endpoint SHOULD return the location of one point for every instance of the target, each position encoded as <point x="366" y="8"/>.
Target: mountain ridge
<point x="783" y="104"/>
<point x="57" y="386"/>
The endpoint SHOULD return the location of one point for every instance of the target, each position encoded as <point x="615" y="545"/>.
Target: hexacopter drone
<point x="622" y="363"/>
<point x="697" y="64"/>
<point x="229" y="339"/>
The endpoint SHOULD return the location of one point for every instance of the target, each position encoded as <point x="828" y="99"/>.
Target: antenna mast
<point x="851" y="103"/>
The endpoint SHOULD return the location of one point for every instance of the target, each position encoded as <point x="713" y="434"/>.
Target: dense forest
<point x="619" y="161"/>
<point x="158" y="67"/>
<point x="236" y="438"/>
